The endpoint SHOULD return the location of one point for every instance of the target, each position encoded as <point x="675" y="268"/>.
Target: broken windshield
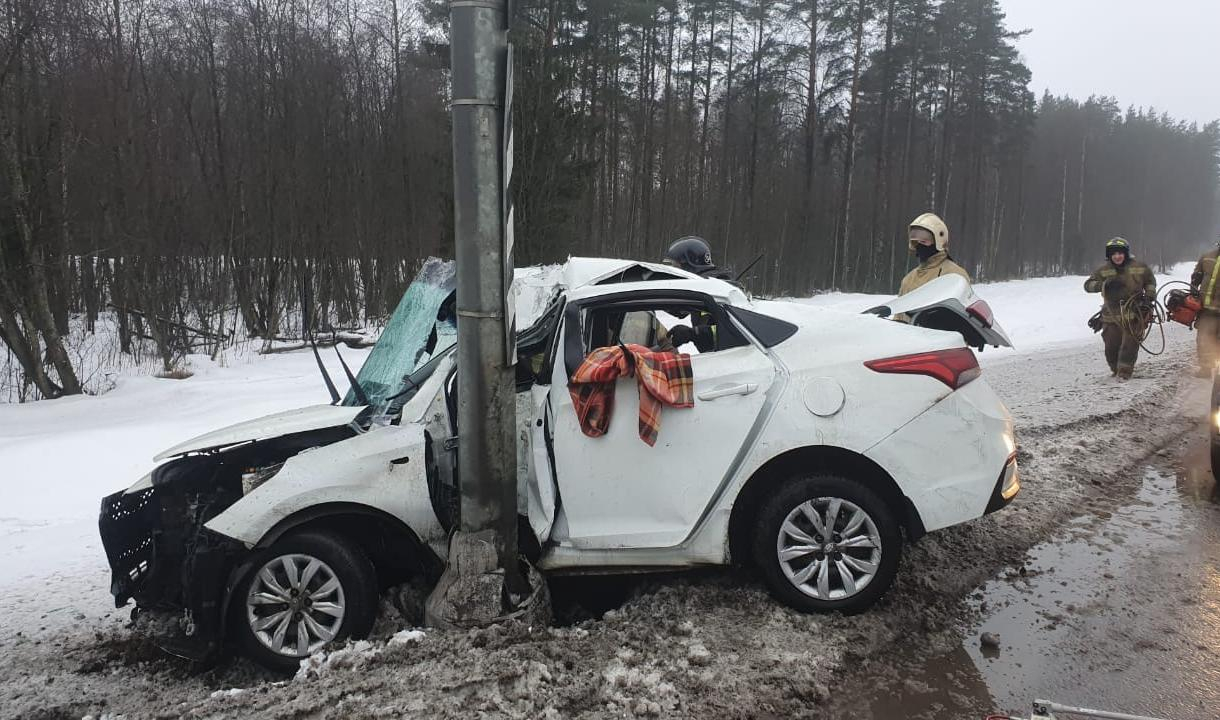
<point x="423" y="325"/>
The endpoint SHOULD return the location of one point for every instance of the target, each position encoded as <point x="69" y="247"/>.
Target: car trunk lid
<point x="948" y="303"/>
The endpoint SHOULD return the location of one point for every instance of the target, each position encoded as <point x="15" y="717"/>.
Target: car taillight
<point x="954" y="367"/>
<point x="981" y="310"/>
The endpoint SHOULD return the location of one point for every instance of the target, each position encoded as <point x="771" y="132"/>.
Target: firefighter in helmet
<point x="1127" y="287"/>
<point x="928" y="240"/>
<point x="692" y="254"/>
<point x="1207" y="323"/>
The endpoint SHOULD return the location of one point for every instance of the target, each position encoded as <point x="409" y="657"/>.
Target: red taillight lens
<point x="954" y="367"/>
<point x="981" y="310"/>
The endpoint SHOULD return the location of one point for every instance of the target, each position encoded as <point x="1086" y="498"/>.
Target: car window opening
<point x="655" y="326"/>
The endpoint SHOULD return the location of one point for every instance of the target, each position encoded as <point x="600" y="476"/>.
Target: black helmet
<point x="1117" y="245"/>
<point x="691" y="253"/>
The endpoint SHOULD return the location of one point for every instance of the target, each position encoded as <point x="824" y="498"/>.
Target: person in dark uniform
<point x="1121" y="281"/>
<point x="692" y="254"/>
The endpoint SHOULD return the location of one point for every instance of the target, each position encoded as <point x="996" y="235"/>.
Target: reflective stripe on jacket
<point x="1132" y="278"/>
<point x="1206" y="270"/>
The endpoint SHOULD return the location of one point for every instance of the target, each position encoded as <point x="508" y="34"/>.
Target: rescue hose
<point x="1138" y="314"/>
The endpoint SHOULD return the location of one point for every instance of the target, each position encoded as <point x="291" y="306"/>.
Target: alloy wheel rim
<point x="295" y="605"/>
<point x="829" y="548"/>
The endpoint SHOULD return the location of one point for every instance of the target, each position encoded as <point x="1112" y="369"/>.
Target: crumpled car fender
<point x="383" y="469"/>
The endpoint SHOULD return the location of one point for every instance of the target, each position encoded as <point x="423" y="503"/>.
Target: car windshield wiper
<point x="361" y="396"/>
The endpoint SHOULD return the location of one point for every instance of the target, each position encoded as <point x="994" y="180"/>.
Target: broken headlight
<point x="251" y="478"/>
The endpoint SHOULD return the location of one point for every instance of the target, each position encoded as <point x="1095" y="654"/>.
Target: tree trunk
<point x="849" y="153"/>
<point x="879" y="230"/>
<point x="37" y="301"/>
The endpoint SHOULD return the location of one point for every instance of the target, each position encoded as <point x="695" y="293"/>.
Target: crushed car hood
<point x="314" y="417"/>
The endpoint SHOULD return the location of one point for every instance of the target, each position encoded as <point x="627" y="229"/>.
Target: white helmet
<point x="933" y="224"/>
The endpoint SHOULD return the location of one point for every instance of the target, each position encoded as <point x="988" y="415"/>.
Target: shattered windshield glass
<point x="423" y="325"/>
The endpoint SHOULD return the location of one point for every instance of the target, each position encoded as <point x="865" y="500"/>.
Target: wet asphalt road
<point x="1119" y="611"/>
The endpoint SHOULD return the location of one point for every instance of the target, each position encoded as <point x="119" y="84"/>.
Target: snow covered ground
<point x="58" y="458"/>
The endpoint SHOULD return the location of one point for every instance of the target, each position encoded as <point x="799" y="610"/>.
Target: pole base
<point x="471" y="592"/>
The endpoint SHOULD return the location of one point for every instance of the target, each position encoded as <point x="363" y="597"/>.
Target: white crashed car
<point x="818" y="440"/>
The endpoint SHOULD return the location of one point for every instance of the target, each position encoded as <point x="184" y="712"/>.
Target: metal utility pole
<point x="483" y="567"/>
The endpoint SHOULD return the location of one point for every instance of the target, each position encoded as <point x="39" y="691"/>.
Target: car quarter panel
<point x="383" y="468"/>
<point x="949" y="461"/>
<point x="825" y="362"/>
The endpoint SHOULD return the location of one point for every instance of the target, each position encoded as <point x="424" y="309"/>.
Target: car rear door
<point x="615" y="491"/>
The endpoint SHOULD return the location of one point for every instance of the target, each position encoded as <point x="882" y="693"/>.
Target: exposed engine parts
<point x="163" y="557"/>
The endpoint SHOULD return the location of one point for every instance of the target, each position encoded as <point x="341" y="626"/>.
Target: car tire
<point x="302" y="594"/>
<point x="848" y="570"/>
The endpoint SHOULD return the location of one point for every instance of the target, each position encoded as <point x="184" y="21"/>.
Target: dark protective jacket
<point x="702" y="332"/>
<point x="1117" y="284"/>
<point x="1203" y="279"/>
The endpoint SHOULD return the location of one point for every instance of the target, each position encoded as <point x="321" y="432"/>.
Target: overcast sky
<point x="1160" y="53"/>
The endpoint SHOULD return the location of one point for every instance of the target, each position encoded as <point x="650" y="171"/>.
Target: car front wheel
<point x="303" y="593"/>
<point x="826" y="543"/>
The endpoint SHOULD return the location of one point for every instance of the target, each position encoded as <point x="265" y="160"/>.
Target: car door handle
<point x="725" y="390"/>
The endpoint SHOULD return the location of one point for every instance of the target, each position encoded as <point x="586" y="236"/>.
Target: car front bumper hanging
<point x="129" y="525"/>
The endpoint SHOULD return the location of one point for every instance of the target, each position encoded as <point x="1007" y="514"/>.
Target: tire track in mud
<point x="708" y="644"/>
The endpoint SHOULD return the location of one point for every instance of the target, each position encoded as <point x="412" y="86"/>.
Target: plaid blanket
<point x="664" y="378"/>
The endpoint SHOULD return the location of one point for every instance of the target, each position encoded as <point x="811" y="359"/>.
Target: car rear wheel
<point x="826" y="543"/>
<point x="302" y="594"/>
